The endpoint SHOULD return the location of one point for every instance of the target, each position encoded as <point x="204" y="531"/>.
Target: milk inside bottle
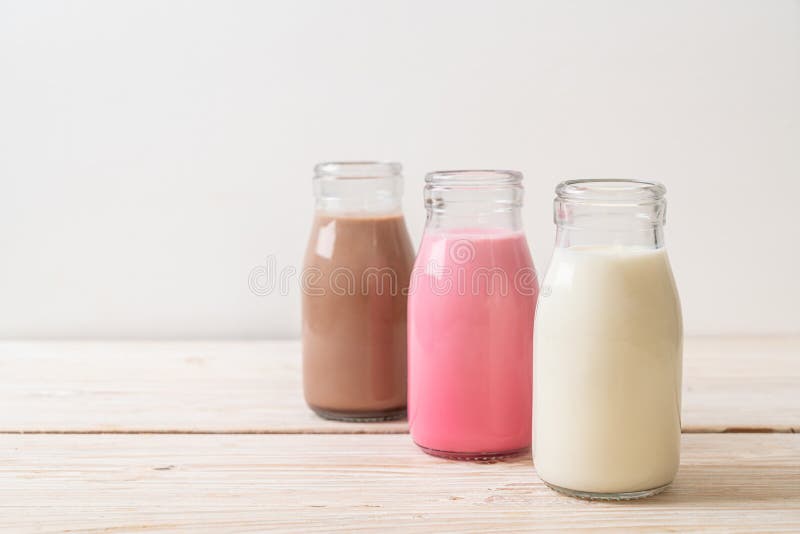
<point x="470" y="319"/>
<point x="355" y="279"/>
<point x="607" y="346"/>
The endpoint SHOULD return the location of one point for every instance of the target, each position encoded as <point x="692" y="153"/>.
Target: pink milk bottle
<point x="470" y="319"/>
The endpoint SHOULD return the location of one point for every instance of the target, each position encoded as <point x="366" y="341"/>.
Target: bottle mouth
<point x="358" y="187"/>
<point x="473" y="178"/>
<point x="357" y="170"/>
<point x="614" y="191"/>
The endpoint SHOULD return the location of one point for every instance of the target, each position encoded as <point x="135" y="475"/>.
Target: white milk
<point x="607" y="371"/>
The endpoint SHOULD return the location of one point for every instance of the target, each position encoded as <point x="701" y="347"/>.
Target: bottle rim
<point x="611" y="191"/>
<point x="357" y="170"/>
<point x="473" y="178"/>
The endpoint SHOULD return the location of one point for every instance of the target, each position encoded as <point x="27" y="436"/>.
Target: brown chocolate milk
<point x="354" y="316"/>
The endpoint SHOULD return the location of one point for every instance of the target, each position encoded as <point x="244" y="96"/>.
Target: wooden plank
<point x="157" y="386"/>
<point x="730" y="384"/>
<point x="59" y="483"/>
<point x="741" y="384"/>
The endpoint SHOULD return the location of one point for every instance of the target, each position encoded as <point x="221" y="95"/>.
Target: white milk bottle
<point x="607" y="346"/>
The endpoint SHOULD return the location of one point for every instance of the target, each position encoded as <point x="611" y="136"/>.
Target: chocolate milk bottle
<point x="355" y="279"/>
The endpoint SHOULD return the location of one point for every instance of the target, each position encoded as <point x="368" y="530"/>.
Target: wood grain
<point x="741" y="384"/>
<point x="110" y="483"/>
<point x="730" y="384"/>
<point x="197" y="386"/>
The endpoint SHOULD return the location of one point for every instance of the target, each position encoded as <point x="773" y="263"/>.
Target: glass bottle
<point x="470" y="319"/>
<point x="355" y="279"/>
<point x="608" y="344"/>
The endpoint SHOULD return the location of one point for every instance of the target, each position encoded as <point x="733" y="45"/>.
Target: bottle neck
<point x="373" y="196"/>
<point x="474" y="200"/>
<point x="358" y="189"/>
<point x="570" y="236"/>
<point x="614" y="213"/>
<point x="474" y="217"/>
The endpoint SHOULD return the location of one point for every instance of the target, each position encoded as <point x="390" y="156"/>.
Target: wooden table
<point x="214" y="436"/>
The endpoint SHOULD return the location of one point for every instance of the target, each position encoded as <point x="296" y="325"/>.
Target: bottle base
<point x="473" y="456"/>
<point x="619" y="496"/>
<point x="361" y="417"/>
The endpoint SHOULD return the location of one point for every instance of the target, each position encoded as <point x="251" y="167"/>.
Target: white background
<point x="152" y="153"/>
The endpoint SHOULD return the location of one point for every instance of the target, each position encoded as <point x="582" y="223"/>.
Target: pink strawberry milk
<point x="470" y="319"/>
